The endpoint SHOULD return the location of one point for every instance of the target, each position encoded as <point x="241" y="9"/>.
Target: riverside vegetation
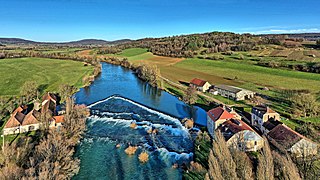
<point x="284" y="71"/>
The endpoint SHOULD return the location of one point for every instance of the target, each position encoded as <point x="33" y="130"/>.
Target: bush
<point x="2" y="55"/>
<point x="131" y="150"/>
<point x="143" y="157"/>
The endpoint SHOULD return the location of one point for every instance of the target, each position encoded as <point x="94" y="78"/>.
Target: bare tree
<point x="190" y="95"/>
<point x="244" y="165"/>
<point x="284" y="167"/>
<point x="221" y="158"/>
<point x="265" y="170"/>
<point x="30" y="90"/>
<point x="305" y="105"/>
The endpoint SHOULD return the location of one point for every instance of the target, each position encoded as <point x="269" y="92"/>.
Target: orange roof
<point x="198" y="82"/>
<point x="15" y="120"/>
<point x="31" y="118"/>
<point x="233" y="126"/>
<point x="219" y="113"/>
<point x="59" y="119"/>
<point x="20" y="109"/>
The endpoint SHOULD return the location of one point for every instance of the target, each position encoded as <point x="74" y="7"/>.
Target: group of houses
<point x="269" y="123"/>
<point x="231" y="92"/>
<point x="244" y="137"/>
<point x="30" y="117"/>
<point x="236" y="132"/>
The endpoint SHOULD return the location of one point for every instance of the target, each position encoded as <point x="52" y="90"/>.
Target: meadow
<point x="48" y="73"/>
<point x="240" y="73"/>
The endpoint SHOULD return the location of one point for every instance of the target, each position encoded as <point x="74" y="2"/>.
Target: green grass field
<point x="48" y="73"/>
<point x="133" y="52"/>
<point x="278" y="78"/>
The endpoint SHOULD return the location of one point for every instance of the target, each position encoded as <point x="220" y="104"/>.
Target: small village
<point x="246" y="133"/>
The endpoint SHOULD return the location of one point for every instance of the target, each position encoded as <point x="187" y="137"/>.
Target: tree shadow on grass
<point x="42" y="88"/>
<point x="184" y="83"/>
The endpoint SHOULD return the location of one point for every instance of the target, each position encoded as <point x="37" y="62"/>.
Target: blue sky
<point x="65" y="20"/>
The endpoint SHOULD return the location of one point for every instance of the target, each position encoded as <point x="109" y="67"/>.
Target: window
<point x="255" y="143"/>
<point x="31" y="128"/>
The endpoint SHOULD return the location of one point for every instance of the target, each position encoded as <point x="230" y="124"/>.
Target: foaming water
<point x="109" y="125"/>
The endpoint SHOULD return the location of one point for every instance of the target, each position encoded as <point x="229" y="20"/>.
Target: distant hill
<point x="83" y="42"/>
<point x="15" y="41"/>
<point x="305" y="36"/>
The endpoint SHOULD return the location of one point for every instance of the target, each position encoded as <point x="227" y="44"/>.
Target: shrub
<point x="131" y="150"/>
<point x="143" y="157"/>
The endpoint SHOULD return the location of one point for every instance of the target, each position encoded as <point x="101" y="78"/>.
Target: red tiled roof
<point x="219" y="113"/>
<point x="285" y="136"/>
<point x="15" y="120"/>
<point x="234" y="126"/>
<point x="198" y="82"/>
<point x="59" y="119"/>
<point x="31" y="118"/>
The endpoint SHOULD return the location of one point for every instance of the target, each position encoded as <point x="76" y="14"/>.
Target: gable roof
<point x="285" y="136"/>
<point x="233" y="126"/>
<point x="15" y="120"/>
<point x="20" y="109"/>
<point x="198" y="82"/>
<point x="271" y="123"/>
<point x="48" y="106"/>
<point x="59" y="119"/>
<point x="228" y="88"/>
<point x="219" y="113"/>
<point x="262" y="109"/>
<point x="31" y="118"/>
<point x="49" y="96"/>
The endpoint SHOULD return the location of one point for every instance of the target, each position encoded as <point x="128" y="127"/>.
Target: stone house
<point x="260" y="114"/>
<point x="234" y="93"/>
<point x="217" y="116"/>
<point x="24" y="120"/>
<point x="285" y="138"/>
<point x="200" y="85"/>
<point x="241" y="136"/>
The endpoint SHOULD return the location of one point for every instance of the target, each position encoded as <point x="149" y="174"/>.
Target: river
<point x="117" y="98"/>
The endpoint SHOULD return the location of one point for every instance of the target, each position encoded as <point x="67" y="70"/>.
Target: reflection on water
<point x="110" y="121"/>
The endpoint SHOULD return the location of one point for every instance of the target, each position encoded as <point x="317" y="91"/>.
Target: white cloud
<point x="286" y="31"/>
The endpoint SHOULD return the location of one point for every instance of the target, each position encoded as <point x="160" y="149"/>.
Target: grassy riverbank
<point x="48" y="73"/>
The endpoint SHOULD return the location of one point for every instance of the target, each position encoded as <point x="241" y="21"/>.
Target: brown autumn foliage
<point x="196" y="167"/>
<point x="133" y="125"/>
<point x="284" y="167"/>
<point x="244" y="166"/>
<point x="188" y="123"/>
<point x="221" y="161"/>
<point x="265" y="169"/>
<point x="143" y="157"/>
<point x="50" y="158"/>
<point x="151" y="74"/>
<point x="131" y="150"/>
<point x="190" y="95"/>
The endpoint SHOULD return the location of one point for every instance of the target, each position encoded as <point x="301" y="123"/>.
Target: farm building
<point x="260" y="115"/>
<point x="217" y="116"/>
<point x="234" y="93"/>
<point x="24" y="120"/>
<point x="283" y="137"/>
<point x="241" y="136"/>
<point x="200" y="85"/>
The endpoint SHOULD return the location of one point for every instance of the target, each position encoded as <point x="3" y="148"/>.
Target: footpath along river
<point x="116" y="98"/>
